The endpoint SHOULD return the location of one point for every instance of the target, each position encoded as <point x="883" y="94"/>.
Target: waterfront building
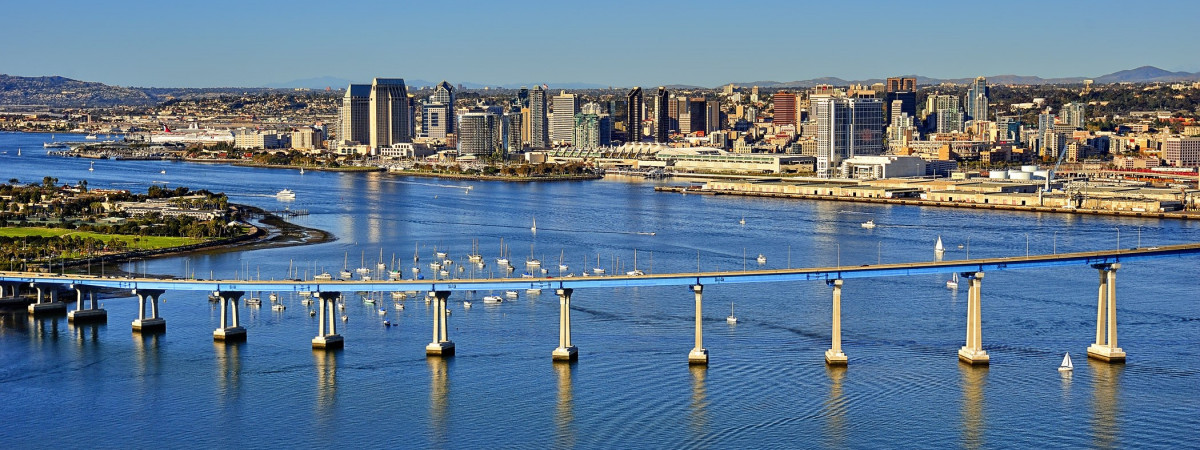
<point x="354" y="116"/>
<point x="1073" y="114"/>
<point x="253" y="139"/>
<point x="785" y="108"/>
<point x="480" y="134"/>
<point x="538" y="122"/>
<point x="634" y="108"/>
<point x="565" y="107"/>
<point x="846" y="127"/>
<point x="436" y="119"/>
<point x="391" y="112"/>
<point x="306" y="138"/>
<point x="1181" y="151"/>
<point x="977" y="100"/>
<point x="883" y="166"/>
<point x="662" y="121"/>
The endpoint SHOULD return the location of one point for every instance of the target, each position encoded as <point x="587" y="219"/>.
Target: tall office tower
<point x="1073" y="114"/>
<point x="592" y="130"/>
<point x="662" y="122"/>
<point x="480" y="134"/>
<point x="903" y="89"/>
<point x="633" y="115"/>
<point x="444" y="93"/>
<point x="692" y="115"/>
<point x="754" y="94"/>
<point x="565" y="107"/>
<point x="942" y="114"/>
<point x="355" y="114"/>
<point x="901" y="84"/>
<point x="523" y="97"/>
<point x="846" y="127"/>
<point x="712" y="119"/>
<point x="673" y="113"/>
<point x="785" y="109"/>
<point x="436" y="119"/>
<point x="1046" y="141"/>
<point x="977" y="100"/>
<point x="511" y="124"/>
<point x="538" y="124"/>
<point x="391" y="115"/>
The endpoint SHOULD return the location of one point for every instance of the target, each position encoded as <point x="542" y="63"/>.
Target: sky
<point x="246" y="43"/>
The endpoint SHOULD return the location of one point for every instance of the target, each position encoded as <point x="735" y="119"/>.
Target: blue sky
<point x="618" y="42"/>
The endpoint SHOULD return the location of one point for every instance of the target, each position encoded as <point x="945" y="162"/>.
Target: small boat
<point x="164" y="172"/>
<point x="534" y="227"/>
<point x="274" y="297"/>
<point x="416" y="270"/>
<point x="435" y="265"/>
<point x="395" y="274"/>
<point x="278" y="307"/>
<point x="368" y="299"/>
<point x="952" y="283"/>
<point x="346" y="275"/>
<point x="399" y="306"/>
<point x="731" y="318"/>
<point x="53" y="145"/>
<point x="386" y="323"/>
<point x="311" y="313"/>
<point x="440" y="255"/>
<point x="762" y="259"/>
<point x="92" y="167"/>
<point x="254" y="301"/>
<point x="323" y="276"/>
<point x="397" y="295"/>
<point x="533" y="291"/>
<point x="938" y="247"/>
<point x="91" y="137"/>
<point x="870" y="223"/>
<point x="345" y="318"/>
<point x="1066" y="365"/>
<point x="444" y="273"/>
<point x="284" y="194"/>
<point x="306" y="302"/>
<point x="743" y="221"/>
<point x="493" y="299"/>
<point x="382" y="311"/>
<point x="511" y="294"/>
<point x="467" y="305"/>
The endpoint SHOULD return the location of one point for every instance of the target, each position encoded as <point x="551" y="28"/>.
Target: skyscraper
<point x="785" y="109"/>
<point x="1073" y="114"/>
<point x="512" y="126"/>
<point x="712" y="113"/>
<point x="662" y="122"/>
<point x="444" y="94"/>
<point x="633" y="115"/>
<point x="391" y="117"/>
<point x="977" y="100"/>
<point x="479" y="134"/>
<point x="355" y="114"/>
<point x="846" y="127"/>
<point x="538" y="123"/>
<point x="942" y="113"/>
<point x="523" y="97"/>
<point x="903" y="89"/>
<point x="565" y="107"/>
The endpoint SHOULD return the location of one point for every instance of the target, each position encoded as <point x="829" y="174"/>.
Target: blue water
<point x="766" y="386"/>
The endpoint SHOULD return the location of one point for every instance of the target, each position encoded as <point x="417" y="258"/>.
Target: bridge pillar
<point x="230" y="330"/>
<point x="834" y="356"/>
<point x="1105" y="348"/>
<point x="441" y="345"/>
<point x="93" y="313"/>
<point x="327" y="336"/>
<point x="699" y="354"/>
<point x="44" y="305"/>
<point x="973" y="353"/>
<point x="154" y="323"/>
<point x="565" y="351"/>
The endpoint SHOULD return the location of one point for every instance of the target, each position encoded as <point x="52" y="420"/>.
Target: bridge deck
<point x="667" y="279"/>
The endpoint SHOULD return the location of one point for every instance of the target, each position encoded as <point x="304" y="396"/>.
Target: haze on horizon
<point x="618" y="43"/>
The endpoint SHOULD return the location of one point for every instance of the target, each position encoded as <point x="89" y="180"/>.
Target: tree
<point x="49" y="182"/>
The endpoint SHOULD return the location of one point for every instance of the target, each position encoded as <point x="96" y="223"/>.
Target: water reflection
<point x="439" y="389"/>
<point x="835" y="408"/>
<point x="326" y="364"/>
<point x="229" y="371"/>
<point x="146" y="355"/>
<point x="699" y="404"/>
<point x="87" y="332"/>
<point x="42" y="330"/>
<point x="1106" y="379"/>
<point x="564" y="411"/>
<point x="973" y="379"/>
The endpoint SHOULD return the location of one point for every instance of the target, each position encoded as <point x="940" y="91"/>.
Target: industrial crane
<point x="1050" y="175"/>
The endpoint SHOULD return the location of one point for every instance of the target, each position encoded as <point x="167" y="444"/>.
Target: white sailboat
<point x="938" y="247"/>
<point x="562" y="266"/>
<point x="1066" y="365"/>
<point x="635" y="272"/>
<point x="534" y="227"/>
<point x="598" y="270"/>
<point x="502" y="260"/>
<point x="743" y="221"/>
<point x="732" y="318"/>
<point x="416" y="256"/>
<point x="475" y="257"/>
<point x="92" y="167"/>
<point x="952" y="283"/>
<point x="532" y="262"/>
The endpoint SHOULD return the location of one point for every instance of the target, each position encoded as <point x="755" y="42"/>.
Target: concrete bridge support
<point x="834" y="356"/>
<point x="699" y="354"/>
<point x="230" y="330"/>
<point x="327" y="336"/>
<point x="973" y="353"/>
<point x="1105" y="348"/>
<point x="154" y="323"/>
<point x="92" y="313"/>
<point x="565" y="351"/>
<point x="441" y="345"/>
<point x="45" y="305"/>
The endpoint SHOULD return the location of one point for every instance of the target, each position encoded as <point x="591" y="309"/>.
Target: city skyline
<point x="223" y="43"/>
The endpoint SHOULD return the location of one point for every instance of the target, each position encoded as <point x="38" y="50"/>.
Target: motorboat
<point x="762" y="259"/>
<point x="870" y="223"/>
<point x="533" y="291"/>
<point x="254" y="301"/>
<point x="492" y="299"/>
<point x="323" y="276"/>
<point x="399" y="306"/>
<point x="397" y="295"/>
<point x="511" y="294"/>
<point x="278" y="307"/>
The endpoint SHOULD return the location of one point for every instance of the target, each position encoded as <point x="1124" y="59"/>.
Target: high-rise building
<point x="633" y="115"/>
<point x="565" y="107"/>
<point x="592" y="130"/>
<point x="901" y="84"/>
<point x="1008" y="129"/>
<point x="512" y="125"/>
<point x="436" y="119"/>
<point x="977" y="100"/>
<point x="523" y="97"/>
<point x="443" y="96"/>
<point x="1073" y="114"/>
<point x="785" y="109"/>
<point x="480" y="134"/>
<point x="662" y="121"/>
<point x="355" y="114"/>
<point x="942" y="113"/>
<point x="390" y="111"/>
<point x="539" y="137"/>
<point x="846" y="127"/>
<point x="712" y="119"/>
<point x="904" y="90"/>
<point x="691" y="114"/>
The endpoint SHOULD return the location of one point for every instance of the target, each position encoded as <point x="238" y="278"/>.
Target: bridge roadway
<point x="1099" y="257"/>
<point x="971" y="271"/>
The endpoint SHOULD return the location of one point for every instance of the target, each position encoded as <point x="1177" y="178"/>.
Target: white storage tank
<point x="1013" y="173"/>
<point x="998" y="175"/>
<point x="1029" y="169"/>
<point x="1041" y="174"/>
<point x="1020" y="175"/>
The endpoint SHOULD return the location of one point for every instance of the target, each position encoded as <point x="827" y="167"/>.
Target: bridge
<point x="229" y="292"/>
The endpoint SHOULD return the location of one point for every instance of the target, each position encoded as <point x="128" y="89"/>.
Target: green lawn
<point x="142" y="243"/>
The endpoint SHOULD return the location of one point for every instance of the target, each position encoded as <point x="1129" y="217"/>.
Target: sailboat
<point x="743" y="221"/>
<point x="635" y="272"/>
<point x="1066" y="365"/>
<point x="502" y="260"/>
<point x="416" y="256"/>
<point x="92" y="167"/>
<point x="345" y="275"/>
<point x="362" y="265"/>
<point x="952" y="283"/>
<point x="534" y="227"/>
<point x="475" y="257"/>
<point x="380" y="266"/>
<point x="938" y="247"/>
<point x="732" y="318"/>
<point x="562" y="267"/>
<point x="598" y="270"/>
<point x="532" y="262"/>
<point x="301" y="171"/>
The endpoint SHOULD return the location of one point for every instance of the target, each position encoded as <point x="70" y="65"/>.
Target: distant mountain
<point x="313" y="83"/>
<point x="1146" y="74"/>
<point x="64" y="92"/>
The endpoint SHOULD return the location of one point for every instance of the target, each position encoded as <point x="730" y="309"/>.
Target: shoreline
<point x="495" y="177"/>
<point x="934" y="203"/>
